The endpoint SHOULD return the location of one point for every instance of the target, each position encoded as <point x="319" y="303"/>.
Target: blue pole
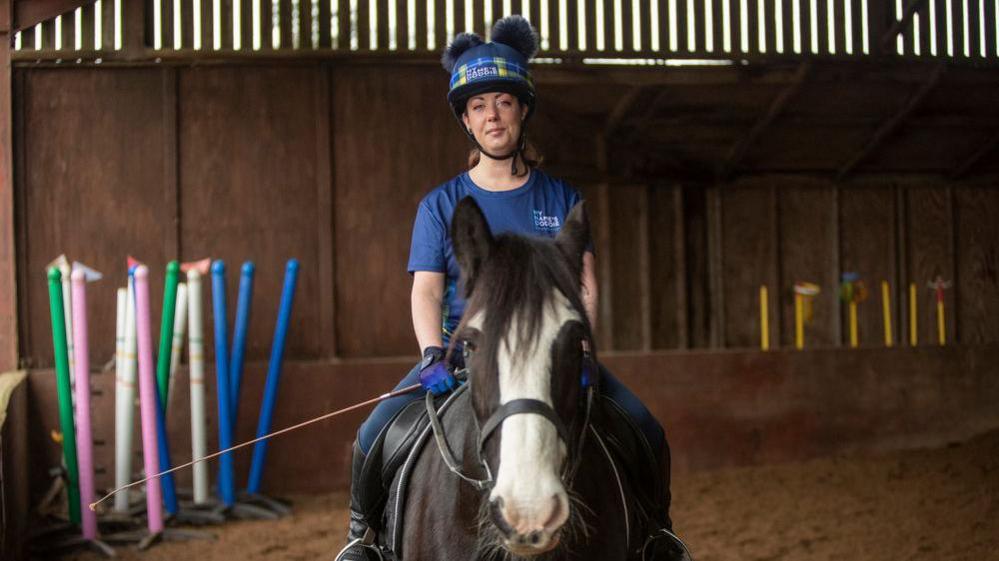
<point x="227" y="490"/>
<point x="273" y="376"/>
<point x="239" y="338"/>
<point x="167" y="483"/>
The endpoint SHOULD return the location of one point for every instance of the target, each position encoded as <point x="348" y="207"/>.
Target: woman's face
<point x="495" y="120"/>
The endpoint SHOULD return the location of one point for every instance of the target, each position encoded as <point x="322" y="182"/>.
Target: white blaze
<point x="531" y="453"/>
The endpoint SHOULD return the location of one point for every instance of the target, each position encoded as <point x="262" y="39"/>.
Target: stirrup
<point x="367" y="541"/>
<point x="675" y="540"/>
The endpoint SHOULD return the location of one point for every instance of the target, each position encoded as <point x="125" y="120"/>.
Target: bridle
<point x="519" y="407"/>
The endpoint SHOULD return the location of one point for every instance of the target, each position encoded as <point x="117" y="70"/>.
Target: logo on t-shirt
<point x="548" y="224"/>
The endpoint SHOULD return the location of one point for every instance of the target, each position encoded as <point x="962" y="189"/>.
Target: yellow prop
<point x="764" y="320"/>
<point x="804" y="293"/>
<point x="886" y="310"/>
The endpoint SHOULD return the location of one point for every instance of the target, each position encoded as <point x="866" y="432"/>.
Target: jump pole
<point x="66" y="423"/>
<point x="196" y="362"/>
<point x="273" y="376"/>
<point x="179" y="329"/>
<point x="227" y="490"/>
<point x="147" y="402"/>
<point x="85" y="443"/>
<point x="166" y="332"/>
<point x="124" y="395"/>
<point x="243" y="306"/>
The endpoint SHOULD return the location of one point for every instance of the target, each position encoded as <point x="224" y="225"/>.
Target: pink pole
<point x="147" y="400"/>
<point x="84" y="438"/>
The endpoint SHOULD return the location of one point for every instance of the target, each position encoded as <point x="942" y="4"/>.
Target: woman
<point x="492" y="97"/>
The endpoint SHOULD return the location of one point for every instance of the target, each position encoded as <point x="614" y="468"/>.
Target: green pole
<point x="166" y="331"/>
<point x="65" y="393"/>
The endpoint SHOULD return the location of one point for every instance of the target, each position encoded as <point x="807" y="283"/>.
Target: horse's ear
<point x="574" y="237"/>
<point x="473" y="241"/>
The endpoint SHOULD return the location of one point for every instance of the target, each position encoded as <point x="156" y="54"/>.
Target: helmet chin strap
<point x="521" y="143"/>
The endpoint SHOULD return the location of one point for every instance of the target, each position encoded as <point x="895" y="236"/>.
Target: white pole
<point x="125" y="404"/>
<point x="179" y="328"/>
<point x="196" y="362"/>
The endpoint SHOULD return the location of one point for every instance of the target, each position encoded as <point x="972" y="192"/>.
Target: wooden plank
<point x="48" y="35"/>
<point x="62" y="182"/>
<point x="8" y="256"/>
<point x="170" y="187"/>
<point x="608" y="27"/>
<point x="823" y="28"/>
<point x="68" y="30"/>
<point x="187" y="25"/>
<point x="572" y="26"/>
<point x="305" y="25"/>
<point x="808" y="253"/>
<point x="88" y="27"/>
<point x="459" y="17"/>
<point x="246" y="23"/>
<point x="991" y="45"/>
<point x="974" y="32"/>
<point x="753" y="13"/>
<point x="421" y="27"/>
<point x="923" y="14"/>
<point x="770" y="19"/>
<point x="287" y="25"/>
<point x="666" y="271"/>
<point x="839" y="21"/>
<point x="977" y="283"/>
<point x="391" y="195"/>
<point x="735" y="8"/>
<point x="272" y="194"/>
<point x="627" y="29"/>
<point x="590" y="7"/>
<point x="867" y="247"/>
<point x="440" y="26"/>
<point x="749" y="256"/>
<point x="695" y="226"/>
<point x="207" y="24"/>
<point x="478" y="16"/>
<point x="326" y="234"/>
<point x="717" y="24"/>
<point x="940" y="32"/>
<point x="28" y="39"/>
<point x="681" y="26"/>
<point x="344" y="25"/>
<point x="929" y="226"/>
<point x="225" y="18"/>
<point x="107" y="25"/>
<point x="629" y="215"/>
<point x="857" y="24"/>
<point x="959" y="31"/>
<point x="325" y="26"/>
<point x="716" y="263"/>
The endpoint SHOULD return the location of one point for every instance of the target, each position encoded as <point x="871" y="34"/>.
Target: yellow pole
<point x="764" y="320"/>
<point x="941" y="324"/>
<point x="799" y="322"/>
<point x="853" y="324"/>
<point x="886" y="308"/>
<point x="913" y="316"/>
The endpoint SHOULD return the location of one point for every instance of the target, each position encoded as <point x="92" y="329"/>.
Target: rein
<point x="506" y="410"/>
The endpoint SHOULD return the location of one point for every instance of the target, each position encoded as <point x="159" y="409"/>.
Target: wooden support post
<point x="8" y="256"/>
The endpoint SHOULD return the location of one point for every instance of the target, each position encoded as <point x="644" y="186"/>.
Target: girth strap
<point x="522" y="407"/>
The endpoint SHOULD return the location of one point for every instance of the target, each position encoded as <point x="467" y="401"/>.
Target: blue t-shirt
<point x="538" y="208"/>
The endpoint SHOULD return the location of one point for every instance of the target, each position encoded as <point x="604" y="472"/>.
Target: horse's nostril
<point x="535" y="537"/>
<point x="496" y="512"/>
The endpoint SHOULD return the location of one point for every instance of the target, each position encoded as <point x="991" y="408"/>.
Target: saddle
<point x="407" y="434"/>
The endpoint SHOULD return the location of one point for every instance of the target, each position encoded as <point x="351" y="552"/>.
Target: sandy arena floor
<point x="921" y="505"/>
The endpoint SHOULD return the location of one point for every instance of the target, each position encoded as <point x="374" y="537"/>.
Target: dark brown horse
<point x="546" y="486"/>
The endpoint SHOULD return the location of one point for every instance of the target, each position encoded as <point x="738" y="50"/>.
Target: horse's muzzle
<point x="523" y="534"/>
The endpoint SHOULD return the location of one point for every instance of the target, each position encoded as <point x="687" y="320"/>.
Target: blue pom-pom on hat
<point x="500" y="65"/>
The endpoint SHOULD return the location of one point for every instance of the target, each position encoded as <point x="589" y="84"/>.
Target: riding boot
<point x="366" y="498"/>
<point x="662" y="544"/>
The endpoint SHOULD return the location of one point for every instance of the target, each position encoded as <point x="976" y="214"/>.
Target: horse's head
<point x="524" y="330"/>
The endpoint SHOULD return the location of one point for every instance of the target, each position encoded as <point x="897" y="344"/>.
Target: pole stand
<point x="243" y="509"/>
<point x="64" y="537"/>
<point x="281" y="507"/>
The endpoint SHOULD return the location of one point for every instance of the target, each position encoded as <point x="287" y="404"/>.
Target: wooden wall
<point x="327" y="163"/>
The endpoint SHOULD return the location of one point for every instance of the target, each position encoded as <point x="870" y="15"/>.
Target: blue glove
<point x="434" y="374"/>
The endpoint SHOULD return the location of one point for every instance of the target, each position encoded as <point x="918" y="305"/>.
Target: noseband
<point x="519" y="407"/>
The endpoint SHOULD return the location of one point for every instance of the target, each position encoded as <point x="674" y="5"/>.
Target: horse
<point x="535" y="479"/>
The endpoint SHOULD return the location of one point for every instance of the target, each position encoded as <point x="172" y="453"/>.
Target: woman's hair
<point x="530" y="155"/>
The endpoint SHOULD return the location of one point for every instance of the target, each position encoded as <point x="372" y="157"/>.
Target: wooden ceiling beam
<point x="777" y="106"/>
<point x="28" y="13"/>
<point x="621" y="109"/>
<point x="979" y="155"/>
<point x="892" y="124"/>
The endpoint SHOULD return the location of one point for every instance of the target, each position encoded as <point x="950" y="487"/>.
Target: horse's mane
<point x="514" y="285"/>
